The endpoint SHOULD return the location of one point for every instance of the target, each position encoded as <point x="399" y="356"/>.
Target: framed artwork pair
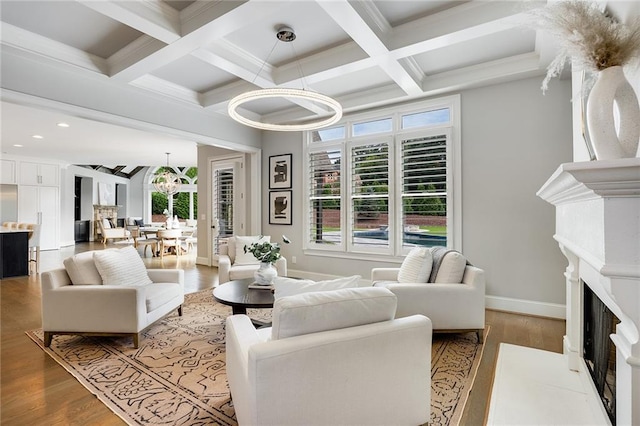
<point x="280" y="181"/>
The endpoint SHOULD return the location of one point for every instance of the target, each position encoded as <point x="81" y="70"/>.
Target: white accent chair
<point x="331" y="357"/>
<point x="451" y="306"/>
<point x="74" y="300"/>
<point x="229" y="270"/>
<point x="109" y="233"/>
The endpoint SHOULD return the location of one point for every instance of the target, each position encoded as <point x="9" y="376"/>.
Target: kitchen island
<point x="14" y="252"/>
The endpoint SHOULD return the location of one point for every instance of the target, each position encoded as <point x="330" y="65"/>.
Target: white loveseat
<point x="331" y="358"/>
<point x="234" y="264"/>
<point x="454" y="300"/>
<point x="78" y="299"/>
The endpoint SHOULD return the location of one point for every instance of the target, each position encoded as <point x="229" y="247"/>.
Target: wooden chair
<point x="170" y="238"/>
<point x="140" y="239"/>
<point x="109" y="233"/>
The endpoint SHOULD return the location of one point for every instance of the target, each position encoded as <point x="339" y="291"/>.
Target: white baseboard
<point x="521" y="306"/>
<point x="202" y="261"/>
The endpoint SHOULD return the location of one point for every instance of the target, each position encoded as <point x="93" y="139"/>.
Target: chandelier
<point x="167" y="182"/>
<point x="286" y="35"/>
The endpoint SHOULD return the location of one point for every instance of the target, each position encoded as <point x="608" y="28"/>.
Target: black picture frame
<point x="280" y="171"/>
<point x="280" y="207"/>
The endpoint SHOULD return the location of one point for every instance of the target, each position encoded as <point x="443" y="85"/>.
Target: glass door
<point x="226" y="199"/>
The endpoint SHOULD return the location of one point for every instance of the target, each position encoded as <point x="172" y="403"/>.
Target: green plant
<point x="266" y="252"/>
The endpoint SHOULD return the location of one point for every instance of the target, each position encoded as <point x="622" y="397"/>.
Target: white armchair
<point x="346" y="363"/>
<point x="75" y="300"/>
<point x="109" y="233"/>
<point x="452" y="306"/>
<point x="230" y="267"/>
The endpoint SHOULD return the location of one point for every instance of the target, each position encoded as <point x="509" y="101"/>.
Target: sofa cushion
<point x="314" y="312"/>
<point x="82" y="270"/>
<point x="451" y="268"/>
<point x="157" y="294"/>
<point x="416" y="267"/>
<point x="121" y="267"/>
<point x="284" y="286"/>
<point x="243" y="258"/>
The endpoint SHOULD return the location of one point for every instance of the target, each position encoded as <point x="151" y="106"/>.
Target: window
<point x="381" y="183"/>
<point x="183" y="204"/>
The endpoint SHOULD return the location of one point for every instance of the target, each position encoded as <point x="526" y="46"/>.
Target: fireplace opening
<point x="599" y="351"/>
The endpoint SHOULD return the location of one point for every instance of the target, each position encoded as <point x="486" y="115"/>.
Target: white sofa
<point x="331" y="358"/>
<point x="229" y="269"/>
<point x="75" y="300"/>
<point x="452" y="306"/>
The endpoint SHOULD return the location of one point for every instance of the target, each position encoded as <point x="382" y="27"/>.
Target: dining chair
<point x="169" y="238"/>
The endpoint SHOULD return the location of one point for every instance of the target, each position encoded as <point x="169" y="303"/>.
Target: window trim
<point x="395" y="252"/>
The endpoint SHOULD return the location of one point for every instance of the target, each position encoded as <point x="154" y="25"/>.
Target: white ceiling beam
<point x="35" y="44"/>
<point x="152" y="17"/>
<point x="353" y="24"/>
<point x="221" y="18"/>
<point x="456" y="25"/>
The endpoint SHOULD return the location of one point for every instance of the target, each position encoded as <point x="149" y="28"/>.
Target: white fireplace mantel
<point x="598" y="230"/>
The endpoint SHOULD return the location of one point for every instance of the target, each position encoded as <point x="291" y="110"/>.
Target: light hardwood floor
<point x="35" y="390"/>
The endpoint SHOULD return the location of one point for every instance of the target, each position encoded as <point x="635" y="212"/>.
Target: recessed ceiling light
<point x="17" y="145"/>
<point x="63" y="125"/>
<point x="37" y="137"/>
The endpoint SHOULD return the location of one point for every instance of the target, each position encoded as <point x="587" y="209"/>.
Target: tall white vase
<point x="611" y="89"/>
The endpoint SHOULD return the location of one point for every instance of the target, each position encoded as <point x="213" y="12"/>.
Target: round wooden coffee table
<point x="239" y="296"/>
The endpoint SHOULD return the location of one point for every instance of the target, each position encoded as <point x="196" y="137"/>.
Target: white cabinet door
<point x="49" y="174"/>
<point x="7" y="171"/>
<point x="38" y="174"/>
<point x="40" y="204"/>
<point x="29" y="174"/>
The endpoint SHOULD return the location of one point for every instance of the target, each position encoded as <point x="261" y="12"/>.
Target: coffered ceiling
<point x="202" y="53"/>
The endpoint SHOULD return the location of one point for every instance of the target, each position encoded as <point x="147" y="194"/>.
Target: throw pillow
<point x="330" y="310"/>
<point x="121" y="267"/>
<point x="452" y="268"/>
<point x="243" y="258"/>
<point x="106" y="223"/>
<point x="82" y="270"/>
<point x="416" y="267"/>
<point x="284" y="286"/>
<point x="139" y="222"/>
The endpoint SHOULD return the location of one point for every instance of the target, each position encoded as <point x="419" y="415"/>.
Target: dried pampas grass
<point x="586" y="35"/>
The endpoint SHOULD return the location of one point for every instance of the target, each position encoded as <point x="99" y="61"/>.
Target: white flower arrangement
<point x="591" y="38"/>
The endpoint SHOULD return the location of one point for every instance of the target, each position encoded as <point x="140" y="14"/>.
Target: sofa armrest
<point x="167" y="276"/>
<point x="384" y="274"/>
<point x="344" y="367"/>
<point x="87" y="308"/>
<point x="224" y="266"/>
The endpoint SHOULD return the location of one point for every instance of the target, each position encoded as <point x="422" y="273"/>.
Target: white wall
<point x="513" y="138"/>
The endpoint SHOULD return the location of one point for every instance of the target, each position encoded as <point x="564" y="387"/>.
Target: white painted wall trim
<point x="527" y="307"/>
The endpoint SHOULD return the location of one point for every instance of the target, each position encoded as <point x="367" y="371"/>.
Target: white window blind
<point x="370" y="196"/>
<point x="325" y="197"/>
<point x="424" y="190"/>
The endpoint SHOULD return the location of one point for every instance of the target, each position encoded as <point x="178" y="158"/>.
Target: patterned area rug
<point x="177" y="375"/>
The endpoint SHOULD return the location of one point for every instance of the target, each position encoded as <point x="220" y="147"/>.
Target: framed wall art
<point x="280" y="207"/>
<point x="280" y="171"/>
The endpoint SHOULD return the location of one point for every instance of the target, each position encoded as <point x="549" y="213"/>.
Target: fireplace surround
<point x="598" y="230"/>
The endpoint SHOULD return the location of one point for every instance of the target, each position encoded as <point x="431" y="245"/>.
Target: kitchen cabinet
<point x="41" y="205"/>
<point x="39" y="174"/>
<point x="7" y="171"/>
